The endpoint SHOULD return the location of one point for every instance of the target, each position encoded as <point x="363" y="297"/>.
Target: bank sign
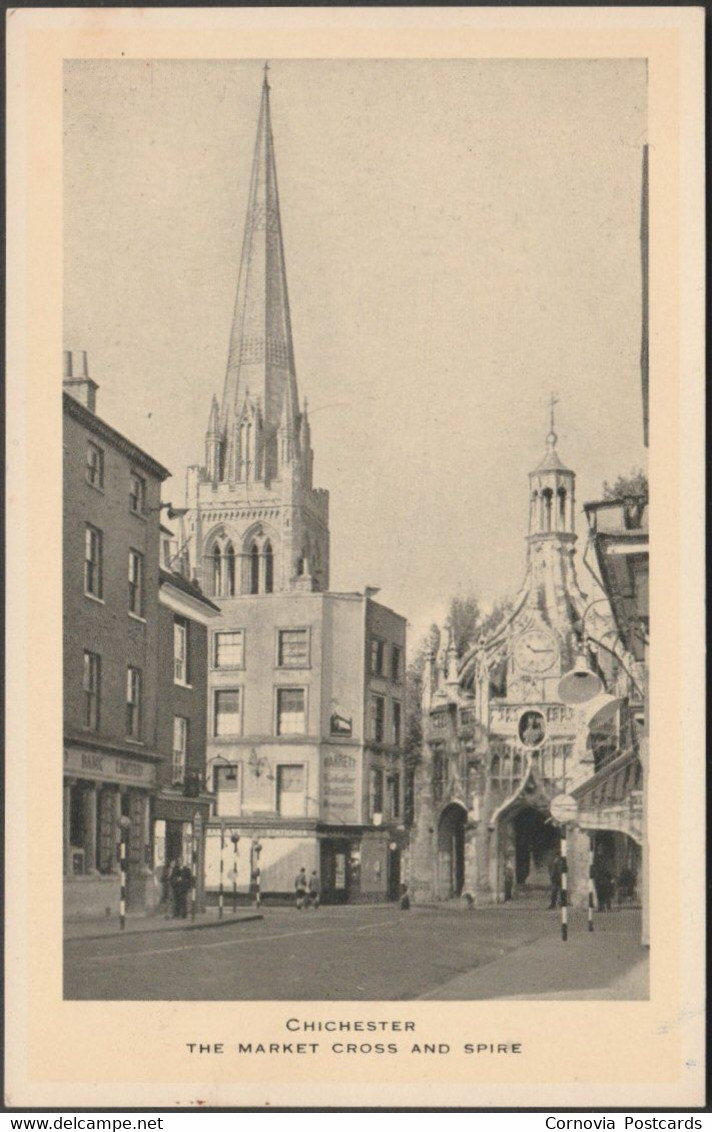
<point x="108" y="768"/>
<point x="339" y="788"/>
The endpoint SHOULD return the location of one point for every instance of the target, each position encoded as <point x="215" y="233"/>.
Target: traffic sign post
<point x="564" y="810"/>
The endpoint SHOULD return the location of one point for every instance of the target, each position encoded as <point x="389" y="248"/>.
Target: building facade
<point x="305" y="704"/>
<point x="111" y="644"/>
<point x="499" y="741"/>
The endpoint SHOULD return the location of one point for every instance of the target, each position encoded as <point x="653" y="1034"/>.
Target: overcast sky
<point x="462" y="238"/>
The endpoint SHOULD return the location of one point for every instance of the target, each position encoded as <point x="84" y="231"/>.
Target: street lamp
<point x="124" y="827"/>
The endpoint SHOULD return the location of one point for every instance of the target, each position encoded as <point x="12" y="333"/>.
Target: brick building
<point x="182" y="806"/>
<point x="111" y="641"/>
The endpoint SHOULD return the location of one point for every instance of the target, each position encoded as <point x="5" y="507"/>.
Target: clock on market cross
<point x="535" y="651"/>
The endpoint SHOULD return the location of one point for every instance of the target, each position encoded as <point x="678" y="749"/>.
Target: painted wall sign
<point x="339" y="799"/>
<point x="108" y="768"/>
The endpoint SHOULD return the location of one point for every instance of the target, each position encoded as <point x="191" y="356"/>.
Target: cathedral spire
<point x="261" y="353"/>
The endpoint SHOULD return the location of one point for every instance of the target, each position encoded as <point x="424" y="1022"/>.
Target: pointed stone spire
<point x="261" y="354"/>
<point x="214" y="418"/>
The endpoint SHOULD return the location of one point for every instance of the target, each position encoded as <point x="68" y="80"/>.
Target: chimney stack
<point x="76" y="380"/>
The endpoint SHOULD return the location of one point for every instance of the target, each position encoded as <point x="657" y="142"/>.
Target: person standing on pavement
<point x="175" y="882"/>
<point x="313" y="889"/>
<point x="300" y="888"/>
<point x="555" y="873"/>
<point x="602" y="882"/>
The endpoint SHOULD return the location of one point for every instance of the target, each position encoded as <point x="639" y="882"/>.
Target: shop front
<point x="107" y="796"/>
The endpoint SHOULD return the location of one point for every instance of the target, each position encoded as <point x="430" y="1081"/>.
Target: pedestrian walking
<point x="555" y="873"/>
<point x="626" y="885"/>
<point x="313" y="889"/>
<point x="602" y="882"/>
<point x="508" y="881"/>
<point x="300" y="888"/>
<point x="184" y="885"/>
<point x="404" y="898"/>
<point x="176" y="884"/>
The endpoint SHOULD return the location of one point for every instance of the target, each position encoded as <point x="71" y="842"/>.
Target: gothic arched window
<point x="269" y="568"/>
<point x="254" y="569"/>
<point x="562" y="506"/>
<point x="230" y="563"/>
<point x="217" y="572"/>
<point x="547" y="494"/>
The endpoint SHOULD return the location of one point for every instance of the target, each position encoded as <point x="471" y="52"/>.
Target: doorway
<point x="536" y="843"/>
<point x="451" y="851"/>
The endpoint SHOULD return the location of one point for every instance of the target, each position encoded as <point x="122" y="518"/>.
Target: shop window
<point x="91" y="685"/>
<point x="134" y="696"/>
<point x="378" y="714"/>
<point x="95" y="465"/>
<point x="378" y="649"/>
<point x="135" y="583"/>
<point x="396" y="664"/>
<point x="229" y="649"/>
<point x="137" y="494"/>
<point x="180" y="650"/>
<point x="228" y="714"/>
<point x="291" y="711"/>
<point x="106" y="830"/>
<point x="397" y="728"/>
<point x="180" y="749"/>
<point x="290" y="791"/>
<point x="93" y="560"/>
<point x="293" y="648"/>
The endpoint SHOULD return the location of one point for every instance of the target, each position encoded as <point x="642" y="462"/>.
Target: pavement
<point x="141" y="924"/>
<point x="366" y="952"/>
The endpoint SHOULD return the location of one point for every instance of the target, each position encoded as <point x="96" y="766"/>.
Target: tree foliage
<point x="468" y="625"/>
<point x="635" y="484"/>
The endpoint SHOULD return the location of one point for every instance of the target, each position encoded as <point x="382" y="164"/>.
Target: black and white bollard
<point x="564" y="888"/>
<point x="590" y="884"/>
<point x="221" y="895"/>
<point x="122" y="896"/>
<point x="193" y="874"/>
<point x="235" y="839"/>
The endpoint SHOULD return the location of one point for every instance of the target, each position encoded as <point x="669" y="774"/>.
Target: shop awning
<point x="612" y="798"/>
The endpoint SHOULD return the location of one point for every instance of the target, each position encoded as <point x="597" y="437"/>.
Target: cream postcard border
<point x="633" y="1054"/>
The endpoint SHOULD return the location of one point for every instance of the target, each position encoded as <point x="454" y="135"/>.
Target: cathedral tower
<point x="257" y="525"/>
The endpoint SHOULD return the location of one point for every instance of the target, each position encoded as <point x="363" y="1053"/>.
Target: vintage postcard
<point x="355" y="466"/>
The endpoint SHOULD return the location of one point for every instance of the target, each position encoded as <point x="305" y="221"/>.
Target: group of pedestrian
<point x="306" y="890"/>
<point x="604" y="882"/>
<point x="177" y="883"/>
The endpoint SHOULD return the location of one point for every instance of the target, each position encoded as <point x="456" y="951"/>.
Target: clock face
<point x="535" y="651"/>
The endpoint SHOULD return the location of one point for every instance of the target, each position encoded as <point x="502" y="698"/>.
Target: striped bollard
<point x="122" y="897"/>
<point x="590" y="884"/>
<point x="564" y="888"/>
<point x="222" y="869"/>
<point x="194" y="874"/>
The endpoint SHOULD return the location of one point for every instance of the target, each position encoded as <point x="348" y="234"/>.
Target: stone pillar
<point x="90" y="828"/>
<point x="65" y="831"/>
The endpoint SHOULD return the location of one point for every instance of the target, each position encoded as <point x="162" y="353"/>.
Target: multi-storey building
<point x="305" y="706"/>
<point x="111" y="641"/>
<point x="182" y="806"/>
